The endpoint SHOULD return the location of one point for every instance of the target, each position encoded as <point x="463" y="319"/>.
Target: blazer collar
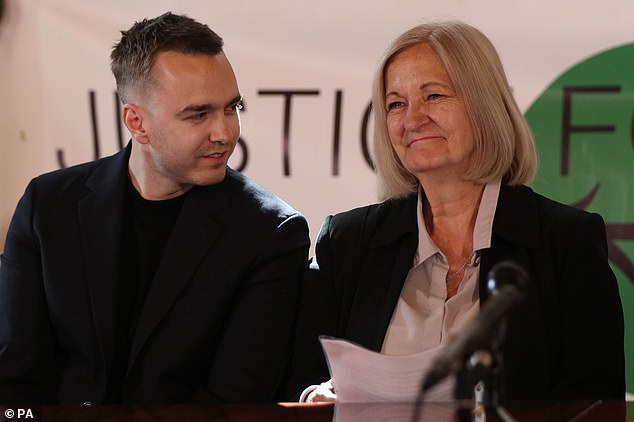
<point x="516" y="222"/>
<point x="100" y="211"/>
<point x="391" y="249"/>
<point x="516" y="230"/>
<point x="516" y="216"/>
<point x="398" y="217"/>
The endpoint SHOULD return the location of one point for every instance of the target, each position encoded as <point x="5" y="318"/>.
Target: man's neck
<point x="151" y="186"/>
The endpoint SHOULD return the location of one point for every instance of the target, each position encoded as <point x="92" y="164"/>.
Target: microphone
<point x="506" y="284"/>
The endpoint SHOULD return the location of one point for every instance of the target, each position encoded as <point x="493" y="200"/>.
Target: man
<point x="158" y="274"/>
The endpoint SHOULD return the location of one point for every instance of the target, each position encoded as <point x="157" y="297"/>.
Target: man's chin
<point x="212" y="179"/>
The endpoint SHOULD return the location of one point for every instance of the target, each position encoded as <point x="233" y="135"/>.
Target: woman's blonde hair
<point x="504" y="145"/>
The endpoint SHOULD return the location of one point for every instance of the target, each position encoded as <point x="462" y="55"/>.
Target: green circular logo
<point x="584" y="130"/>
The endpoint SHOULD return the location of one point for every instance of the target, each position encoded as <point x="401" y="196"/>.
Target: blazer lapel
<point x="100" y="213"/>
<point x="515" y="231"/>
<point x="390" y="255"/>
<point x="195" y="231"/>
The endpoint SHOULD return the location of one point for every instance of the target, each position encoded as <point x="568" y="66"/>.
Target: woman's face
<point x="427" y="121"/>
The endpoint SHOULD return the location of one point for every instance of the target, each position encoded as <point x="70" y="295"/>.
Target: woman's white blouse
<point x="423" y="317"/>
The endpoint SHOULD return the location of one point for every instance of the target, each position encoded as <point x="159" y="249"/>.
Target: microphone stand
<point x="473" y="371"/>
<point x="476" y="355"/>
<point x="485" y="366"/>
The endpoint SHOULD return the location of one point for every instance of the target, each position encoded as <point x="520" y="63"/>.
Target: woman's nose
<point x="416" y="115"/>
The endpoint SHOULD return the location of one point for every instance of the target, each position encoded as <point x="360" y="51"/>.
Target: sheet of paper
<point x="362" y="375"/>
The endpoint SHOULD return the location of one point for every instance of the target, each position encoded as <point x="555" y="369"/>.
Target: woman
<point x="453" y="155"/>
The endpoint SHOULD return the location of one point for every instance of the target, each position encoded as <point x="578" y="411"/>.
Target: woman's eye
<point x="395" y="104"/>
<point x="434" y="96"/>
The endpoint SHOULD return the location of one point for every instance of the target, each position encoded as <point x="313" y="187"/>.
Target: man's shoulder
<point x="77" y="172"/>
<point x="75" y="175"/>
<point x="249" y="196"/>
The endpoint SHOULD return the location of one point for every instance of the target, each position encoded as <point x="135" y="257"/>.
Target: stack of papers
<point x="362" y="375"/>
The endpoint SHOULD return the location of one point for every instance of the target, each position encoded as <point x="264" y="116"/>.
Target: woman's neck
<point x="450" y="213"/>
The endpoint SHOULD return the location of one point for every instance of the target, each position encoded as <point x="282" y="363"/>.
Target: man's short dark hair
<point x="133" y="56"/>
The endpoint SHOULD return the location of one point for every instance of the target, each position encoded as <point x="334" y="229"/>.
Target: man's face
<point x="191" y="121"/>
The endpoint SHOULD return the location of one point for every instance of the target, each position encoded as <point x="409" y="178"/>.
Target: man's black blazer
<point x="219" y="314"/>
<point x="564" y="341"/>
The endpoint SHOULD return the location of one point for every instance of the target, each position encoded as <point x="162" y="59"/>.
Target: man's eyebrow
<point x="197" y="108"/>
<point x="235" y="100"/>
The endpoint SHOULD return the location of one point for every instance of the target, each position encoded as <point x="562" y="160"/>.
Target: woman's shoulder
<point x="373" y="214"/>
<point x="363" y="223"/>
<point x="551" y="210"/>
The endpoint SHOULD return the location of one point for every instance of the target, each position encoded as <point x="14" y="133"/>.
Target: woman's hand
<point x="324" y="393"/>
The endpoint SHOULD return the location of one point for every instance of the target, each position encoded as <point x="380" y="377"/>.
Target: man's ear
<point x="133" y="120"/>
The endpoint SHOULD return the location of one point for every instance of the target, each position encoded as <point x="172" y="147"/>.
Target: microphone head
<point x="507" y="273"/>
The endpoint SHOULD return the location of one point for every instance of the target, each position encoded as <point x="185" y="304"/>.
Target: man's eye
<point x="199" y="116"/>
<point x="238" y="106"/>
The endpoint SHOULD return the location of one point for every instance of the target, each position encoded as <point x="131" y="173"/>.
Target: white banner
<point x="304" y="69"/>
